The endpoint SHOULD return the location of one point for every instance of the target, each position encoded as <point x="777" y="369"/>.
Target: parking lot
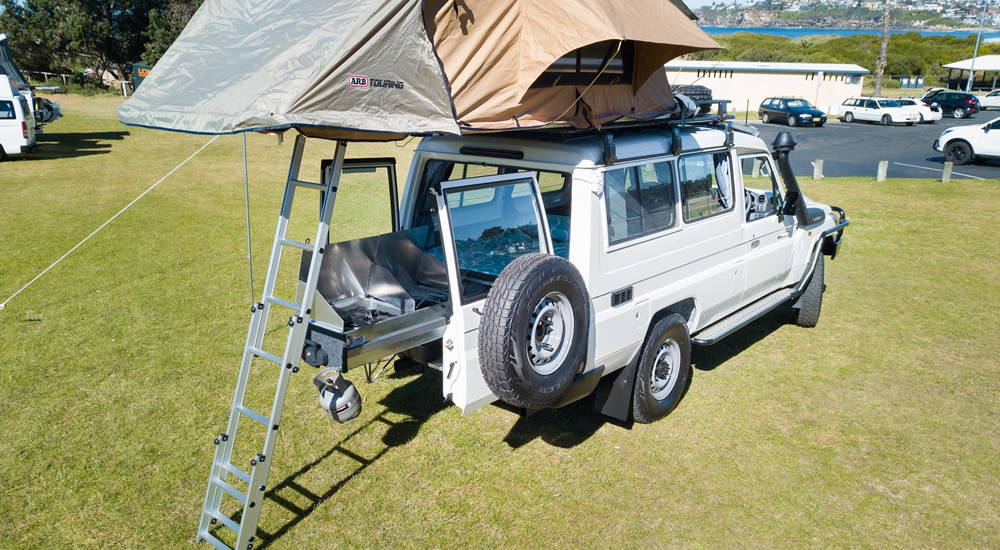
<point x="855" y="149"/>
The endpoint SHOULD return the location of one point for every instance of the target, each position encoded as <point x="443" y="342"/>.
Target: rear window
<point x="6" y="110"/>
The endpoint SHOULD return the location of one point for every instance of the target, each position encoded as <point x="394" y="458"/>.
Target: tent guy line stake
<point x="4" y="304"/>
<point x="246" y="201"/>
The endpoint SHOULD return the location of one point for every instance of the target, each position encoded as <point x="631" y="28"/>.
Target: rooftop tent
<point x="380" y="69"/>
<point x="7" y="65"/>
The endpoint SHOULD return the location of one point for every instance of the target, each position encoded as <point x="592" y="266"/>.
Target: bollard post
<point x="818" y="169"/>
<point x="946" y="174"/>
<point x="883" y="168"/>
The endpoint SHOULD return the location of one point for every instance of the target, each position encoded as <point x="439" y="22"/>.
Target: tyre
<point x="958" y="152"/>
<point x="886" y="120"/>
<point x="819" y="124"/>
<point x="792" y="121"/>
<point x="909" y="124"/>
<point x="848" y="117"/>
<point x="533" y="336"/>
<point x="959" y="113"/>
<point x="765" y="118"/>
<point x="663" y="370"/>
<point x="921" y="118"/>
<point x="811" y="299"/>
<point x="3" y="154"/>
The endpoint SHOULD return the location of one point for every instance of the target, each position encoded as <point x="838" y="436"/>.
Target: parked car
<point x="990" y="100"/>
<point x="17" y="127"/>
<point x="957" y="104"/>
<point x="965" y="144"/>
<point x="929" y="112"/>
<point x="876" y="109"/>
<point x="791" y="111"/>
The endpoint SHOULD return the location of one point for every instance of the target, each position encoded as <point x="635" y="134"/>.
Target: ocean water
<point x="992" y="35"/>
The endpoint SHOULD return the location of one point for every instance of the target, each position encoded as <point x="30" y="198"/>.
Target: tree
<point x="68" y="34"/>
<point x="165" y="25"/>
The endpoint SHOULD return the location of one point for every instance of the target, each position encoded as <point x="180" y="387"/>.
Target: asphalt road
<point x="855" y="149"/>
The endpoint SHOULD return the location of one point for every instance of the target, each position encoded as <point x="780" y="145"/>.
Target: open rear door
<point x="486" y="222"/>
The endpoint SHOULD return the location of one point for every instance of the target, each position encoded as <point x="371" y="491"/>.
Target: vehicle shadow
<point x="978" y="161"/>
<point x="65" y="145"/>
<point x="565" y="427"/>
<point x="409" y="400"/>
<point x="708" y="358"/>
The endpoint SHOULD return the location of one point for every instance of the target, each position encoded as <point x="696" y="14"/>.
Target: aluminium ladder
<point x="219" y="486"/>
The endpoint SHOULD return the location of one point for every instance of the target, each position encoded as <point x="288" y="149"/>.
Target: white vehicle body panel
<point x="929" y="115"/>
<point x="990" y="100"/>
<point x="870" y="110"/>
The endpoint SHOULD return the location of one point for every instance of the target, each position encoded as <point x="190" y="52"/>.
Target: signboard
<point x="139" y="72"/>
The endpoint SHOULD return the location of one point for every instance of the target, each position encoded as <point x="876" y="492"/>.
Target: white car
<point x="929" y="112"/>
<point x="876" y="109"/>
<point x="990" y="100"/>
<point x="964" y="144"/>
<point x="17" y="127"/>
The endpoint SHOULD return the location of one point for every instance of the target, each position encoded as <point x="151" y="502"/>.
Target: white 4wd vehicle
<point x="532" y="268"/>
<point x="17" y="127"/>
<point x="964" y="144"/>
<point x="876" y="109"/>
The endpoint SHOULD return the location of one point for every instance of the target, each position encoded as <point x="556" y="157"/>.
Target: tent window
<point x="582" y="66"/>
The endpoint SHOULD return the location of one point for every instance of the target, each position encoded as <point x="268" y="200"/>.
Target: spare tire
<point x="533" y="334"/>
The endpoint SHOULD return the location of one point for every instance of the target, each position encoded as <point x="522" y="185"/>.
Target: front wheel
<point x="812" y="298"/>
<point x="792" y="121"/>
<point x="819" y="124"/>
<point x="663" y="370"/>
<point x="848" y="117"/>
<point x="959" y="113"/>
<point x="886" y="120"/>
<point x="958" y="152"/>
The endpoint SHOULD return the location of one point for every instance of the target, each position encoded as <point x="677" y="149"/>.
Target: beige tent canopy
<point x="380" y="69"/>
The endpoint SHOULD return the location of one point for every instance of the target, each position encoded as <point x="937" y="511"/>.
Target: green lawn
<point x="879" y="428"/>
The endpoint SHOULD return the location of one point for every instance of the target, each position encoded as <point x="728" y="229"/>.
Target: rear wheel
<point x="765" y="118"/>
<point x="663" y="370"/>
<point x="3" y="154"/>
<point x="959" y="113"/>
<point x="958" y="152"/>
<point x="848" y="117"/>
<point x="886" y="120"/>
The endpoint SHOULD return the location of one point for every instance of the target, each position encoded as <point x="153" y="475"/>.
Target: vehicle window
<point x="486" y="241"/>
<point x="7" y="110"/>
<point x="640" y="200"/>
<point x="887" y="103"/>
<point x="871" y="104"/>
<point x="762" y="192"/>
<point x="995" y="125"/>
<point x="706" y="185"/>
<point x="799" y="104"/>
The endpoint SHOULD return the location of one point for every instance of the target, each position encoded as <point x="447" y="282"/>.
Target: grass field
<point x="879" y="428"/>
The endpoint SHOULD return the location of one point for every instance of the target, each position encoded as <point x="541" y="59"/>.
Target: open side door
<point x="486" y="223"/>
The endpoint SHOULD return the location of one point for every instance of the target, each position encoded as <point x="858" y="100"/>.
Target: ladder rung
<point x="230" y="489"/>
<point x="296" y="244"/>
<point x="308" y="184"/>
<point x="227" y="522"/>
<point x="286" y="303"/>
<point x="265" y="355"/>
<point x="236" y="472"/>
<point x="214" y="541"/>
<point x="253" y="414"/>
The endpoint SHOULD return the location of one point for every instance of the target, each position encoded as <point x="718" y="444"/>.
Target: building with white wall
<point x="745" y="83"/>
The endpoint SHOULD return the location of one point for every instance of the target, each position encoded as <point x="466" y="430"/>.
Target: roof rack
<point x="675" y="120"/>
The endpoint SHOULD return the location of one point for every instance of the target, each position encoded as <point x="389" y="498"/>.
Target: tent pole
<point x="246" y="202"/>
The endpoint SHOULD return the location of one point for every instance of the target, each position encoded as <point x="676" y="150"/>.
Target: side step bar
<point x="730" y="324"/>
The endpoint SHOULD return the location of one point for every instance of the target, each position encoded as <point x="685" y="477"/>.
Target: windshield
<point x="799" y="104"/>
<point x="888" y="103"/>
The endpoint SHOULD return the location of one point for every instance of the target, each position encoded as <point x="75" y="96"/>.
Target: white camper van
<point x="17" y="126"/>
